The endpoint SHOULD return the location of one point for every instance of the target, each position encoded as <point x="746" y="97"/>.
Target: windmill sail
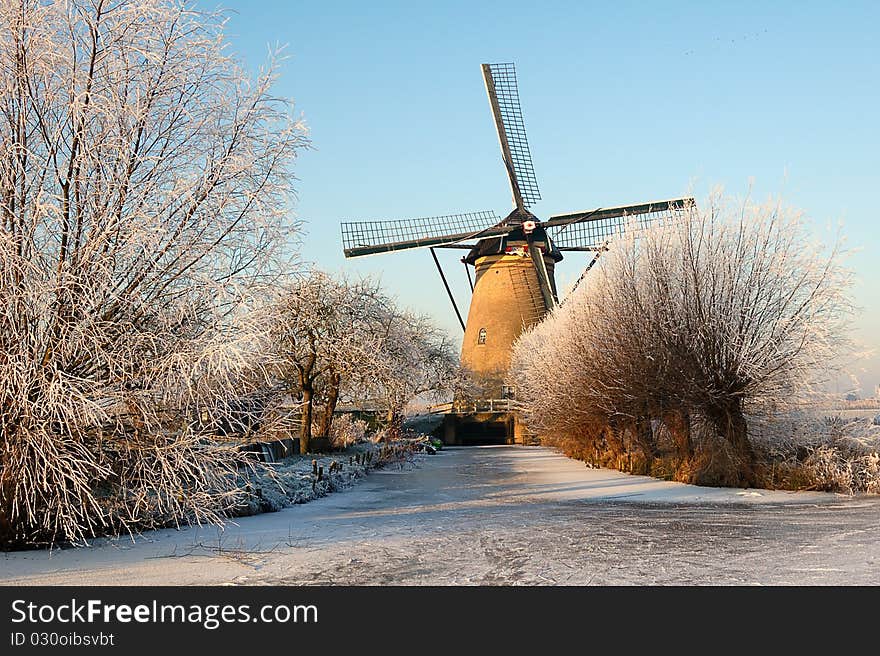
<point x="503" y="94"/>
<point x="589" y="230"/>
<point x="369" y="237"/>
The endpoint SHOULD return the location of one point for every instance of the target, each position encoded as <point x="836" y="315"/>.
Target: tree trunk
<point x="730" y="422"/>
<point x="645" y="438"/>
<point x="739" y="437"/>
<point x="613" y="438"/>
<point x="678" y="423"/>
<point x="332" y="400"/>
<point x="394" y="422"/>
<point x="305" y="435"/>
<point x="7" y="530"/>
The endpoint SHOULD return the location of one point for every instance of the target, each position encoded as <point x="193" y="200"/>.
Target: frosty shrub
<point x="846" y="458"/>
<point x="144" y="180"/>
<point x="808" y="449"/>
<point x="657" y="358"/>
<point x="346" y="431"/>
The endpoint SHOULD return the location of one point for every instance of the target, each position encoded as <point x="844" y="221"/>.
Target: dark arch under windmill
<point x="513" y="258"/>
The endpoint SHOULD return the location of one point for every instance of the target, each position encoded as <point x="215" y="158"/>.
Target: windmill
<point x="513" y="257"/>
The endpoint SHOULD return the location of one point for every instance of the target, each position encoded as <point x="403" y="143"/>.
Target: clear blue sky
<point x="623" y="102"/>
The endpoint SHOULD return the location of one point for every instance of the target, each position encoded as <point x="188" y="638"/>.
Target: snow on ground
<point x="551" y="476"/>
<point x="508" y="515"/>
<point x="293" y="480"/>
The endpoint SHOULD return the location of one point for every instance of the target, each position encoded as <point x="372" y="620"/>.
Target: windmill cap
<point x="495" y="245"/>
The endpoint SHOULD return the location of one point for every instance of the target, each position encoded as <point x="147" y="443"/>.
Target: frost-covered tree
<point x="326" y="334"/>
<point x="144" y="180"/>
<point x="415" y="359"/>
<point x="337" y="337"/>
<point x="692" y="326"/>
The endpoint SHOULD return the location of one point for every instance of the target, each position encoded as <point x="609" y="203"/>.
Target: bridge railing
<point x="475" y="405"/>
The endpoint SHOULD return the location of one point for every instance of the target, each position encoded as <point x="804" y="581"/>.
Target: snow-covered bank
<point x="555" y="476"/>
<point x="300" y="479"/>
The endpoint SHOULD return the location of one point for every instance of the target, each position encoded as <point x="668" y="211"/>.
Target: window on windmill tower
<point x="481" y="339"/>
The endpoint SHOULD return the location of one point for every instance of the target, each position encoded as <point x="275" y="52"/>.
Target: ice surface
<point x="500" y="515"/>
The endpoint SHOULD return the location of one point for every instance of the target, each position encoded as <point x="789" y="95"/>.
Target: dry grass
<point x="792" y="452"/>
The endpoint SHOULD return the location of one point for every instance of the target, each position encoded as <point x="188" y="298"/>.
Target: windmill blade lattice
<point x="590" y="230"/>
<point x="512" y="131"/>
<point x="369" y="237"/>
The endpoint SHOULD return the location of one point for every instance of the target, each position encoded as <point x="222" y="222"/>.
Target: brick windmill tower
<point x="514" y="258"/>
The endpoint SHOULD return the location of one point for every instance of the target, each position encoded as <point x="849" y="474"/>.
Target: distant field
<point x="849" y="413"/>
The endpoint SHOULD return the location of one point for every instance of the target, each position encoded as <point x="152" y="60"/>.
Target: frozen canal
<point x="500" y="515"/>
